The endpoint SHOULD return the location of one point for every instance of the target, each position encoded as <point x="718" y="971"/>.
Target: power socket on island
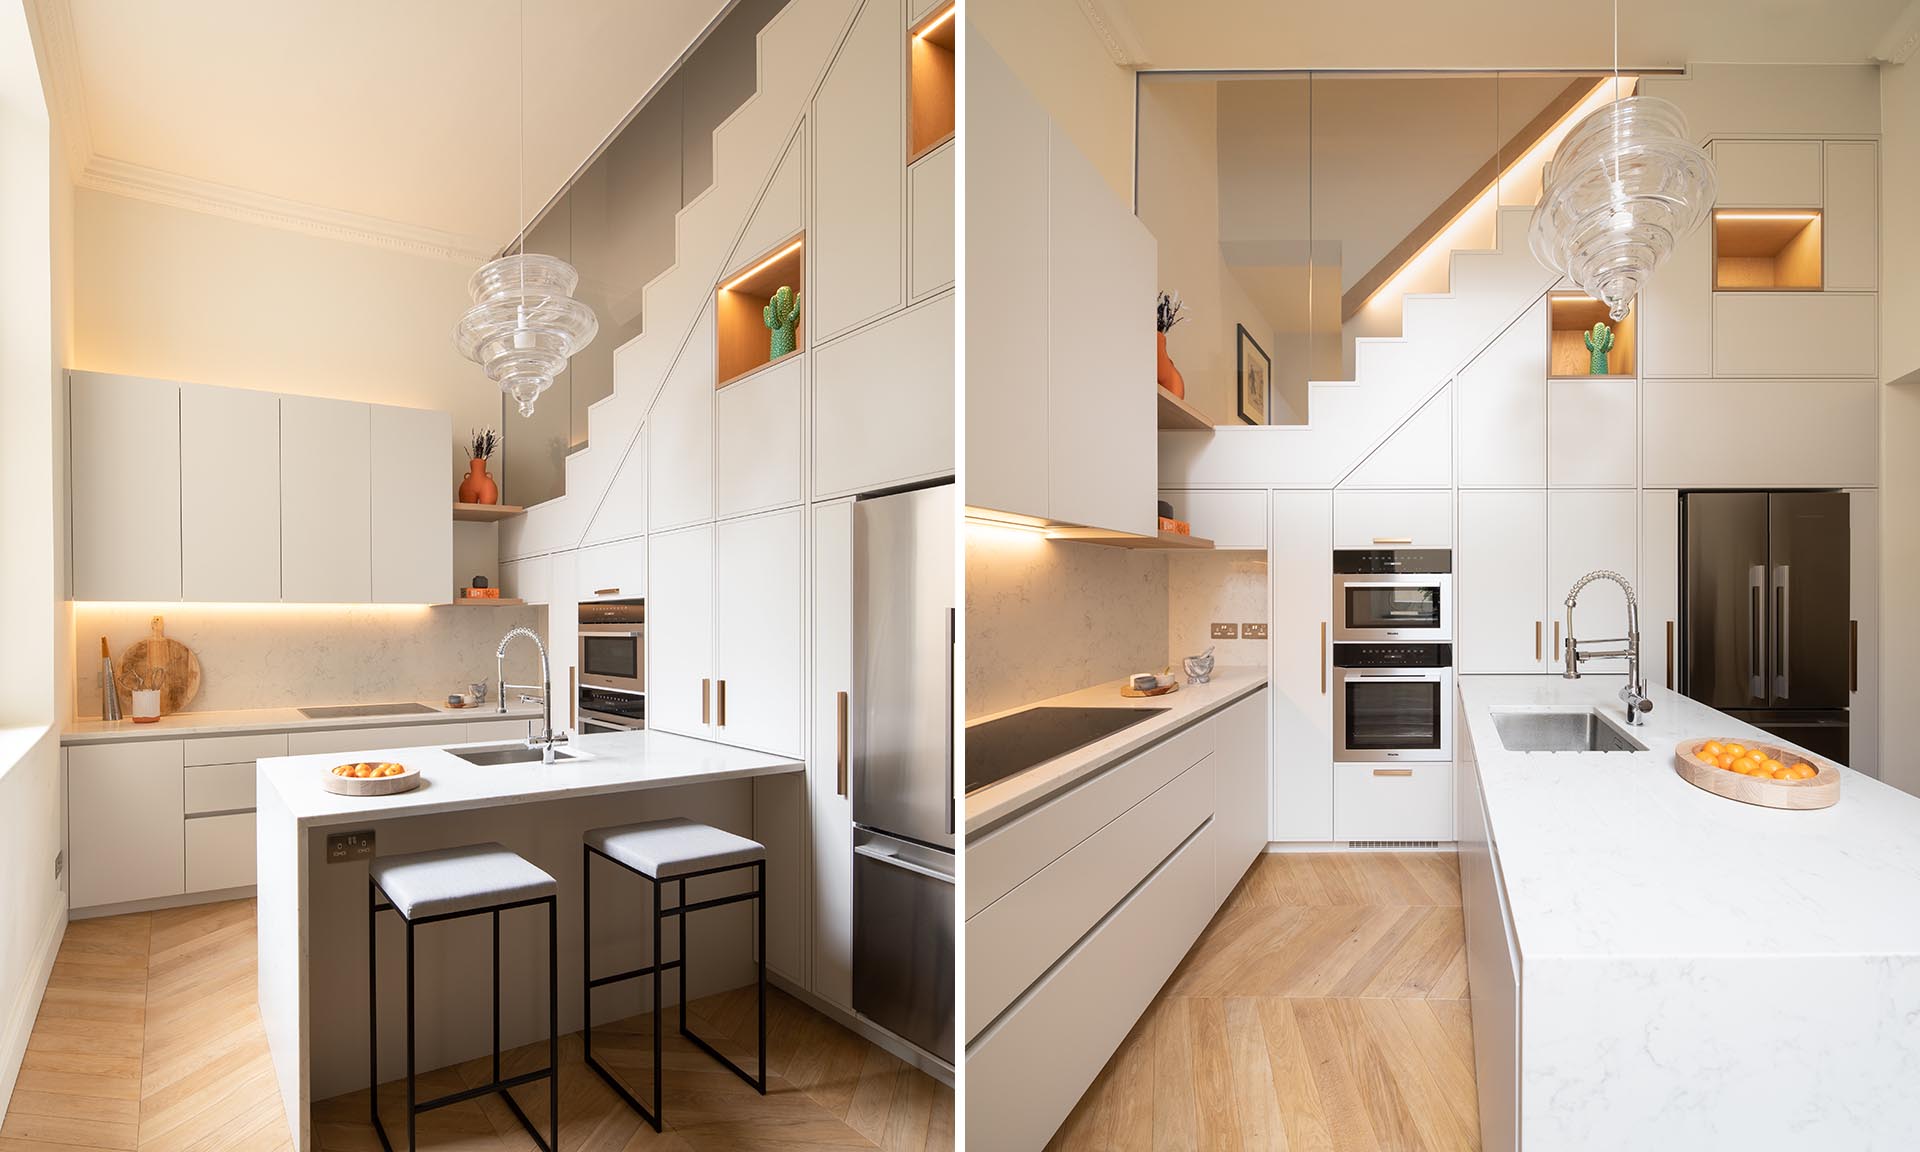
<point x="1226" y="632"/>
<point x="345" y="846"/>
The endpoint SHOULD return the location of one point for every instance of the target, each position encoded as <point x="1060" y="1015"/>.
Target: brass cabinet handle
<point x="720" y="692"/>
<point x="705" y="687"/>
<point x="606" y="591"/>
<point x="840" y="753"/>
<point x="1556" y="637"/>
<point x="1853" y="655"/>
<point x="1669" y="655"/>
<point x="1323" y="657"/>
<point x="1393" y="771"/>
<point x="1393" y="539"/>
<point x="1536" y="639"/>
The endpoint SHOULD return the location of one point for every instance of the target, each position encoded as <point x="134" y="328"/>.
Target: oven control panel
<point x="1393" y="655"/>
<point x="1390" y="561"/>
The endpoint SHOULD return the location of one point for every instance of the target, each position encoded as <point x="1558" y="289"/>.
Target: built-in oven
<point x="1392" y="703"/>
<point x="1393" y="594"/>
<point x="613" y="645"/>
<point x="608" y="710"/>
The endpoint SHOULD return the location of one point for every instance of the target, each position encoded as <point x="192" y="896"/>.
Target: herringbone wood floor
<point x="1324" y="1008"/>
<point x="149" y="1039"/>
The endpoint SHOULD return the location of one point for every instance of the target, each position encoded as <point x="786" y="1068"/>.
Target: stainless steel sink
<point x="508" y="754"/>
<point x="1547" y="731"/>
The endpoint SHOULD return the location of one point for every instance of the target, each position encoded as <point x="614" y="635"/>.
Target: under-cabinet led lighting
<point x="936" y="22"/>
<point x="1732" y="215"/>
<point x="259" y="607"/>
<point x="762" y="266"/>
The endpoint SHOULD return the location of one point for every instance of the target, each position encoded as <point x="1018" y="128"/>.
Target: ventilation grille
<point x="1373" y="844"/>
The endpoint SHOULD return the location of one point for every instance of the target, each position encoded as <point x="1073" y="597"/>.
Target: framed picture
<point x="1253" y="372"/>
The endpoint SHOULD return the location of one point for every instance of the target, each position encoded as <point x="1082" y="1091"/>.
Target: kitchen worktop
<point x="236" y="721"/>
<point x="1002" y="799"/>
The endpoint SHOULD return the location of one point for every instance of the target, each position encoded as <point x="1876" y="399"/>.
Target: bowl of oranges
<point x="370" y="778"/>
<point x="1758" y="773"/>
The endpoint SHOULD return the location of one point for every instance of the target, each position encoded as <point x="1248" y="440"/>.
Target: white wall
<point x="1899" y="421"/>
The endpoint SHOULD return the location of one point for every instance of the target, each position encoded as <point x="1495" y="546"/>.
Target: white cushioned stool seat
<point x="458" y="879"/>
<point x="676" y="847"/>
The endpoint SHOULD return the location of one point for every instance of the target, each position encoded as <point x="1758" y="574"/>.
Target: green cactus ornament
<point x="1599" y="342"/>
<point x="781" y="313"/>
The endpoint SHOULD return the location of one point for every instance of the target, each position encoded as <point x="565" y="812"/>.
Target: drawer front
<point x="1003" y="858"/>
<point x="1369" y="519"/>
<point x="220" y="788"/>
<point x="1393" y="801"/>
<point x="492" y="731"/>
<point x="1020" y="936"/>
<point x="234" y="749"/>
<point x="1027" y="1074"/>
<point x="369" y="739"/>
<point x="612" y="571"/>
<point x="220" y="852"/>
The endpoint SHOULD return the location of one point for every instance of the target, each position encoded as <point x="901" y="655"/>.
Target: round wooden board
<point x="1819" y="791"/>
<point x="379" y="786"/>
<point x="157" y="659"/>
<point x="1137" y="694"/>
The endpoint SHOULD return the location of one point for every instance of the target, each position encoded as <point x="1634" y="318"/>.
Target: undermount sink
<point x="1564" y="731"/>
<point x="508" y="754"/>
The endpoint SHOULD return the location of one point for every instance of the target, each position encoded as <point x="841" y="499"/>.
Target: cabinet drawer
<point x="1001" y="859"/>
<point x="1393" y="801"/>
<point x="611" y="571"/>
<point x="234" y="749"/>
<point x="220" y="852"/>
<point x="1019" y="936"/>
<point x="1834" y="334"/>
<point x="1229" y="519"/>
<point x="1369" y="519"/>
<point x="371" y="739"/>
<point x="220" y="787"/>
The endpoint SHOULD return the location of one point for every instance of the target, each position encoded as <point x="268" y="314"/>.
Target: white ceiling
<point x="395" y="118"/>
<point x="1487" y="33"/>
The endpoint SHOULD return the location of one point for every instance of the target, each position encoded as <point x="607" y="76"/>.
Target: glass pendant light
<point x="524" y="323"/>
<point x="1625" y="186"/>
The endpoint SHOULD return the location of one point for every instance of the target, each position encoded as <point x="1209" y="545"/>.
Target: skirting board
<point x="26" y="1006"/>
<point x="867" y="1030"/>
<point x="218" y="895"/>
<point x="1278" y="847"/>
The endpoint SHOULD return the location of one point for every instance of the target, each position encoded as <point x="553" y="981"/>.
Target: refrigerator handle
<point x="951" y="803"/>
<point x="1781" y="649"/>
<point x="1756" y="576"/>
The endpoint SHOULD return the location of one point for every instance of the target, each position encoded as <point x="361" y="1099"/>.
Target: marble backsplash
<point x="274" y="656"/>
<point x="1205" y="588"/>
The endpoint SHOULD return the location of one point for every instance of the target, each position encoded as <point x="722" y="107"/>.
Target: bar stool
<point x="663" y="851"/>
<point x="448" y="884"/>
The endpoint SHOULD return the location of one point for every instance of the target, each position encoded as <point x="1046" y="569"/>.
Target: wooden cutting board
<point x="166" y="664"/>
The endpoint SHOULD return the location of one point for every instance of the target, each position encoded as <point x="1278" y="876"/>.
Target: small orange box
<point x="1178" y="527"/>
<point x="480" y="593"/>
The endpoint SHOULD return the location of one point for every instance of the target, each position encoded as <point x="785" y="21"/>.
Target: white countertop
<point x="1612" y="854"/>
<point x="613" y="762"/>
<point x="996" y="802"/>
<point x="237" y="721"/>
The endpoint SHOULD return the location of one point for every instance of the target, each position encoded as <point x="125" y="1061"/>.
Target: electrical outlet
<point x="345" y="846"/>
<point x="59" y="863"/>
<point x="1253" y="631"/>
<point x="1226" y="632"/>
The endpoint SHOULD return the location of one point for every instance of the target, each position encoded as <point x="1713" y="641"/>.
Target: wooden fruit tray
<point x="1138" y="693"/>
<point x="373" y="786"/>
<point x="1822" y="790"/>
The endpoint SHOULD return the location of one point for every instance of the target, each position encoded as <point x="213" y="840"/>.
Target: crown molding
<point x="1896" y="45"/>
<point x="50" y="26"/>
<point x="1115" y="32"/>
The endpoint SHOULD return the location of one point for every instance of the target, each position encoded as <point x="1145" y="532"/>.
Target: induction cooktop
<point x="1001" y="748"/>
<point x="340" y="711"/>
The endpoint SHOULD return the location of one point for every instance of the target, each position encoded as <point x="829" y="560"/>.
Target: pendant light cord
<point x="520" y="185"/>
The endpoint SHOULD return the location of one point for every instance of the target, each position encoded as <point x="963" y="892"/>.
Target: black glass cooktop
<point x="999" y="748"/>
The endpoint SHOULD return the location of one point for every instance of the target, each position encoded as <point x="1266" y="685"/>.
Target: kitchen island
<point x="1655" y="966"/>
<point x="313" y="902"/>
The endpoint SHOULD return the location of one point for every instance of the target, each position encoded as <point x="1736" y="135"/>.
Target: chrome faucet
<point x="1635" y="693"/>
<point x="548" y="737"/>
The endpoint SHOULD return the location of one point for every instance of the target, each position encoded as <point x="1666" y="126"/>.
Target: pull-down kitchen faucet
<point x="1635" y="693"/>
<point x="548" y="737"/>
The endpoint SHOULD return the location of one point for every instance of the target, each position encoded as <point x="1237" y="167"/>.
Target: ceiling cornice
<point x="50" y="23"/>
<point x="1115" y="32"/>
<point x="1896" y="45"/>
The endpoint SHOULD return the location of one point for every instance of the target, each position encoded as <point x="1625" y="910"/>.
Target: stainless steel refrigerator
<point x="902" y="750"/>
<point x="1766" y="616"/>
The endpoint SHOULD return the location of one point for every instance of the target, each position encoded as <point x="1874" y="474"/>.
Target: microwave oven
<point x="613" y="645"/>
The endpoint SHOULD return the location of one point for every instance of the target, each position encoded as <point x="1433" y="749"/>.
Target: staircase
<point x="756" y="151"/>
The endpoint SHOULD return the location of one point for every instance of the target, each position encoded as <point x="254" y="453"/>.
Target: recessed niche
<point x="744" y="342"/>
<point x="931" y="121"/>
<point x="1763" y="251"/>
<point x="1570" y="318"/>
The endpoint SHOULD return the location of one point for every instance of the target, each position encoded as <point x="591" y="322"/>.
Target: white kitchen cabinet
<point x="125" y="476"/>
<point x="1769" y="173"/>
<point x="1659" y="586"/>
<point x="1501" y="566"/>
<point x="1503" y="407"/>
<point x="757" y="425"/>
<point x="1673" y="321"/>
<point x="1300" y="572"/>
<point x="1590" y="531"/>
<point x="326" y="497"/>
<point x="1229" y="519"/>
<point x="1864" y="573"/>
<point x="1850" y="227"/>
<point x="680" y="632"/>
<point x="412" y="529"/>
<point x="680" y="453"/>
<point x="229" y="494"/>
<point x="883" y="403"/>
<point x="1363" y="518"/>
<point x="758" y="609"/>
<point x="616" y="571"/>
<point x="232" y="749"/>
<point x="563" y="634"/>
<point x="1593" y="433"/>
<point x="1832" y="334"/>
<point x="623" y="511"/>
<point x="1240" y="779"/>
<point x="830" y="803"/>
<point x="1418" y="454"/>
<point x="1493" y="966"/>
<point x="1834" y="426"/>
<point x="859" y="165"/>
<point x="1393" y="801"/>
<point x="220" y="852"/>
<point x="125" y="814"/>
<point x="308" y="743"/>
<point x="216" y="788"/>
<point x="930" y="191"/>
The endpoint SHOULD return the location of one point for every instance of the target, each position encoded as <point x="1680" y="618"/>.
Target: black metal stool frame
<point x="657" y="969"/>
<point x="550" y="1072"/>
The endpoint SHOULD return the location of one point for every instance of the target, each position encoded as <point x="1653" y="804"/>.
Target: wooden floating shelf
<point x="1166" y="541"/>
<point x="485" y="513"/>
<point x="741" y="332"/>
<point x="930" y="104"/>
<point x="486" y="602"/>
<point x="1177" y="413"/>
<point x="1762" y="251"/>
<point x="1569" y="319"/>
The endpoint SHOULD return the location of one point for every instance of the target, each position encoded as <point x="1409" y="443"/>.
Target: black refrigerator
<point x="1765" y="616"/>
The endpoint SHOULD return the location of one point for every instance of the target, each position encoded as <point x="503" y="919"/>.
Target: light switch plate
<point x="1226" y="632"/>
<point x="345" y="846"/>
<point x="1253" y="631"/>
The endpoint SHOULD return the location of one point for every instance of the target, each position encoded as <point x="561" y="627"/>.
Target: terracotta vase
<point x="1169" y="376"/>
<point x="478" y="487"/>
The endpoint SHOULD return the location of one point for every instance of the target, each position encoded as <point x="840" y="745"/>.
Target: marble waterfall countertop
<point x="1002" y="799"/>
<point x="239" y="721"/>
<point x="608" y="762"/>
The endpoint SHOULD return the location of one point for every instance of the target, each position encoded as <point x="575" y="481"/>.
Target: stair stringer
<point x="1394" y="378"/>
<point x="793" y="55"/>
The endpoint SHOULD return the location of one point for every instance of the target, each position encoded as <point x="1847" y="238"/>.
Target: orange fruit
<point x="1773" y="767"/>
<point x="1724" y="760"/>
<point x="1736" y="750"/>
<point x="1711" y="750"/>
<point x="1745" y="765"/>
<point x="1803" y="771"/>
<point x="1781" y="774"/>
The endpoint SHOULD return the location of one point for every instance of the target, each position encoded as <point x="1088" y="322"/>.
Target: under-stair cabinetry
<point x="859" y="164"/>
<point x="1500" y="592"/>
<point x="623" y="513"/>
<point x="616" y="571"/>
<point x="680" y="631"/>
<point x="125" y="504"/>
<point x="680" y="449"/>
<point x="1363" y="518"/>
<point x="883" y="403"/>
<point x="829" y="766"/>
<point x="1300" y="573"/>
<point x="930" y="193"/>
<point x="757" y="425"/>
<point x="1502" y="398"/>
